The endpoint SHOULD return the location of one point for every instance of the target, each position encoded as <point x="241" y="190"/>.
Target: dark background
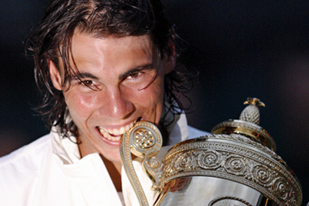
<point x="241" y="48"/>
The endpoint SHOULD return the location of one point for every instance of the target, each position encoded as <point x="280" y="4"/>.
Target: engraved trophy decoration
<point x="235" y="165"/>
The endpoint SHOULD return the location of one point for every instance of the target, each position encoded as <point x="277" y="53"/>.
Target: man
<point x="102" y="66"/>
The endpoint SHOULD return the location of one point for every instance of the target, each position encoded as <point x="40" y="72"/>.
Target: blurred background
<point x="241" y="48"/>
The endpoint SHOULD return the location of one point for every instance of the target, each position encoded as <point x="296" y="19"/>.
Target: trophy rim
<point x="186" y="159"/>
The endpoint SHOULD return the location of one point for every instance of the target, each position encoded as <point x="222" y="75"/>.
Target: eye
<point x="87" y="83"/>
<point x="140" y="79"/>
<point x="134" y="75"/>
<point x="90" y="84"/>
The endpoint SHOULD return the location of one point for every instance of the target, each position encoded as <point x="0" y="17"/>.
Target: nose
<point x="116" y="105"/>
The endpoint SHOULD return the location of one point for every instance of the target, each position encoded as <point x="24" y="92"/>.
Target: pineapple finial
<point x="252" y="112"/>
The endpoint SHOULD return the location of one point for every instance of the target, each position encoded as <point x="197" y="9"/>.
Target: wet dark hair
<point x="51" y="41"/>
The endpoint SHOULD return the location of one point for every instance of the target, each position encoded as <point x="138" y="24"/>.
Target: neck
<point x="113" y="168"/>
<point x="114" y="171"/>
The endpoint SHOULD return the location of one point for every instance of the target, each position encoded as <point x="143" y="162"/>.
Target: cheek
<point x="152" y="95"/>
<point x="80" y="106"/>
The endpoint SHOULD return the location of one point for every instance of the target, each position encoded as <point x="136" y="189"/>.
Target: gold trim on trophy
<point x="236" y="165"/>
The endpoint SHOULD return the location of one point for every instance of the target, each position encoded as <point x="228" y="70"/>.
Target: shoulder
<point x="194" y="132"/>
<point x="20" y="172"/>
<point x="26" y="154"/>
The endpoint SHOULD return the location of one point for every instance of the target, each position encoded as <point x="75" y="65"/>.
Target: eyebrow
<point x="82" y="75"/>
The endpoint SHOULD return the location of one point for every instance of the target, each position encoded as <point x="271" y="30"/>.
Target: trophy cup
<point x="234" y="166"/>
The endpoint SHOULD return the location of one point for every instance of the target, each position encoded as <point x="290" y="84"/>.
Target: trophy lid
<point x="248" y="125"/>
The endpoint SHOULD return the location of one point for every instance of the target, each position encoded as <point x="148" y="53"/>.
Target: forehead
<point x="82" y="42"/>
<point x="110" y="51"/>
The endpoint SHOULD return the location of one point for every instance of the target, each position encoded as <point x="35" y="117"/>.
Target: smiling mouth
<point x="115" y="134"/>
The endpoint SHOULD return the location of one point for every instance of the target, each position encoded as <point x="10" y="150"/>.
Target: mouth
<point x="114" y="134"/>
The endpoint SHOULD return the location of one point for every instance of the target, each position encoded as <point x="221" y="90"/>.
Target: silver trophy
<point x="234" y="166"/>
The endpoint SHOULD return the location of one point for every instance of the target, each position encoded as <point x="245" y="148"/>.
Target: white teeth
<point x="122" y="130"/>
<point x="110" y="133"/>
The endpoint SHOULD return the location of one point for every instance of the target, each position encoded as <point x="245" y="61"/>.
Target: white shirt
<point x="49" y="171"/>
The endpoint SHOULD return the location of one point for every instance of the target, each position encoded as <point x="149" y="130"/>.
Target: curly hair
<point x="51" y="41"/>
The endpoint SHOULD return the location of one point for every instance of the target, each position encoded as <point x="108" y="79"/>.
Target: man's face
<point x="120" y="81"/>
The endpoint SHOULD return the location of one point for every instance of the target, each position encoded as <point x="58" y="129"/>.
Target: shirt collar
<point x="65" y="148"/>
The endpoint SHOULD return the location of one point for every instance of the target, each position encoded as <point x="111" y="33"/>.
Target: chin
<point x="112" y="156"/>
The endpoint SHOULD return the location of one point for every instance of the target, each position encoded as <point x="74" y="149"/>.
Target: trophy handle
<point x="144" y="140"/>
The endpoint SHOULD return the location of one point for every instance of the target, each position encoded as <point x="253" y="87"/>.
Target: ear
<point x="54" y="75"/>
<point x="170" y="57"/>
